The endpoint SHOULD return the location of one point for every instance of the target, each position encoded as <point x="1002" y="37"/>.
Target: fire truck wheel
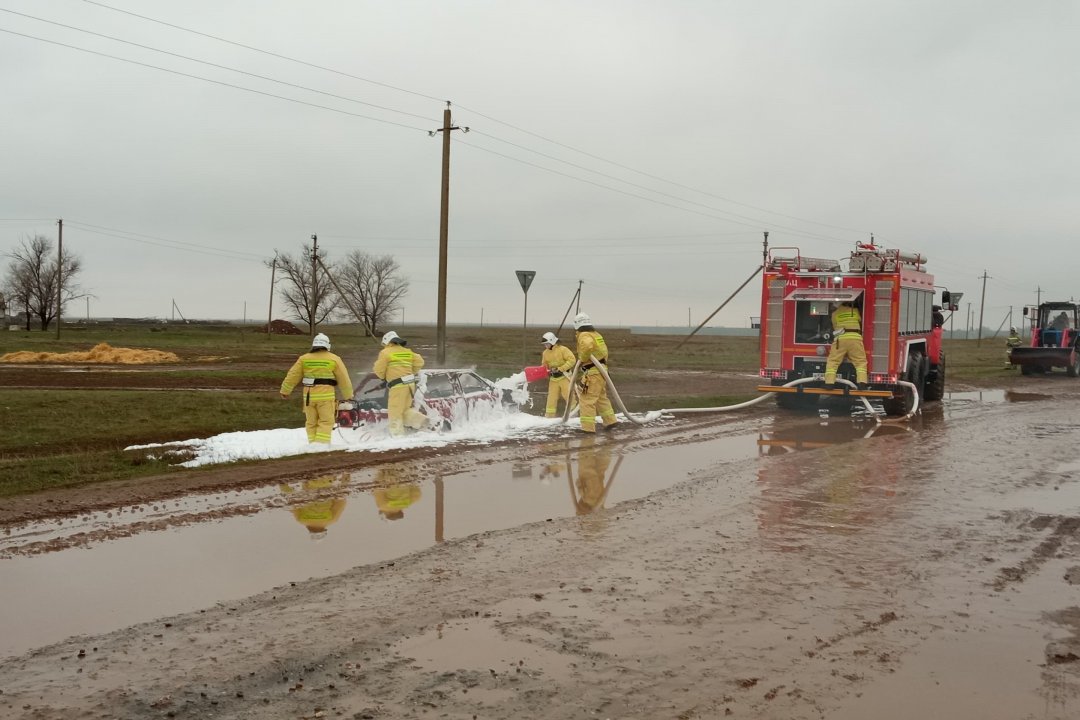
<point x="935" y="388"/>
<point x="899" y="406"/>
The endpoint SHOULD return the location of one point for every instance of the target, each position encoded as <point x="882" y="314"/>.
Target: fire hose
<point x="618" y="402"/>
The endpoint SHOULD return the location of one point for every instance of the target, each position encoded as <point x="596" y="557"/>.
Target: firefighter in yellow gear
<point x="321" y="373"/>
<point x="594" y="397"/>
<point x="559" y="360"/>
<point x="397" y="366"/>
<point x="392" y="496"/>
<point x="318" y="515"/>
<point x="1010" y="342"/>
<point x="847" y="343"/>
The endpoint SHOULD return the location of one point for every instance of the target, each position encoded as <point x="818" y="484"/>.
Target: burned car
<point x="444" y="396"/>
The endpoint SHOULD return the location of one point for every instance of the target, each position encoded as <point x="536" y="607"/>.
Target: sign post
<point x="525" y="277"/>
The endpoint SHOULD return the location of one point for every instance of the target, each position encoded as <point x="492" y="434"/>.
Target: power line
<point x="361" y="102"/>
<point x="794" y="231"/>
<point x="650" y="175"/>
<point x="216" y="65"/>
<point x="627" y="182"/>
<point x="210" y="80"/>
<point x="475" y="112"/>
<point x="265" y="52"/>
<point x="164" y="242"/>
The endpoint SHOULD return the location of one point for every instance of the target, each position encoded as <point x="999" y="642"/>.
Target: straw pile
<point x="100" y="353"/>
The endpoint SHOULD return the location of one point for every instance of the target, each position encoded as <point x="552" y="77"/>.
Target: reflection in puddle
<point x="976" y="396"/>
<point x="840" y="486"/>
<point x="107" y="570"/>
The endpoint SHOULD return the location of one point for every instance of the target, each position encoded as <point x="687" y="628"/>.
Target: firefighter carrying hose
<point x="594" y="397"/>
<point x="397" y="366"/>
<point x="320" y="371"/>
<point x="559" y="360"/>
<point x="847" y="343"/>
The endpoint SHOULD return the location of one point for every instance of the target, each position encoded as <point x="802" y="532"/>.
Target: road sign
<point x="525" y="277"/>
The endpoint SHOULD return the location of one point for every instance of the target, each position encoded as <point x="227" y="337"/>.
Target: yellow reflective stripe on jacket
<point x="591" y="344"/>
<point x="401" y="359"/>
<point x="847" y="318"/>
<point x="320" y="365"/>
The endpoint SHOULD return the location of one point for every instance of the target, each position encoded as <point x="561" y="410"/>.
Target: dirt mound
<point x="100" y="353"/>
<point x="282" y="327"/>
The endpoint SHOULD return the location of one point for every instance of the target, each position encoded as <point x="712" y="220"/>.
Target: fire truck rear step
<point x="825" y="391"/>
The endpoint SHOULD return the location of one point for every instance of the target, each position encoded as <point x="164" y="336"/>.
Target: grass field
<point x="62" y="437"/>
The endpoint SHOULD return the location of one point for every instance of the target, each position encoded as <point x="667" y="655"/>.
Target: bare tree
<point x="297" y="291"/>
<point x="31" y="279"/>
<point x="374" y="286"/>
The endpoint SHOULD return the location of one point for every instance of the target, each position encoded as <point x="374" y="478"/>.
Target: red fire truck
<point x="895" y="296"/>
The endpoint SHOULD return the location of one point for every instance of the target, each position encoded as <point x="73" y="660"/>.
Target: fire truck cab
<point x="895" y="297"/>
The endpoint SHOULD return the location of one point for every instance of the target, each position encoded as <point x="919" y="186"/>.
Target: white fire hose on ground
<point x="738" y="406"/>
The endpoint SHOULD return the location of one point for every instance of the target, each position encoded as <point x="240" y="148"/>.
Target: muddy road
<point x="764" y="565"/>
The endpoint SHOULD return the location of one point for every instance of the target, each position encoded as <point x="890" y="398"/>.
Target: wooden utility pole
<point x="59" y="273"/>
<point x="982" y="304"/>
<point x="270" y="308"/>
<point x="314" y="280"/>
<point x="444" y="225"/>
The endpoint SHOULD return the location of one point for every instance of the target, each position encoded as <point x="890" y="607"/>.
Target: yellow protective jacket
<point x="558" y="359"/>
<point x="590" y="344"/>
<point x="320" y="366"/>
<point x="848" y="319"/>
<point x="397" y="361"/>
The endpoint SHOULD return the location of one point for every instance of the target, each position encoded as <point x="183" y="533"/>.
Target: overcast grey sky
<point x="681" y="130"/>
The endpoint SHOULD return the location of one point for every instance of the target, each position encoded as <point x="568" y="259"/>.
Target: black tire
<point x="934" y="389"/>
<point x="902" y="405"/>
<point x="1027" y="370"/>
<point x="1074" y="369"/>
<point x="899" y="406"/>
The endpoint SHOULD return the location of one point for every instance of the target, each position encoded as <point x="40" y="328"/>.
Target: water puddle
<point x="109" y="570"/>
<point x="481" y="644"/>
<point x="112" y="569"/>
<point x="978" y="396"/>
<point x="1010" y="661"/>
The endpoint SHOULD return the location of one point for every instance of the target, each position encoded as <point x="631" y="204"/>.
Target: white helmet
<point x="581" y="320"/>
<point x="390" y="337"/>
<point x="549" y="339"/>
<point x="320" y="341"/>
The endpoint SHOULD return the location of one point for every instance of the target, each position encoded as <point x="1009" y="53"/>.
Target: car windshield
<point x="438" y="386"/>
<point x="472" y="383"/>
